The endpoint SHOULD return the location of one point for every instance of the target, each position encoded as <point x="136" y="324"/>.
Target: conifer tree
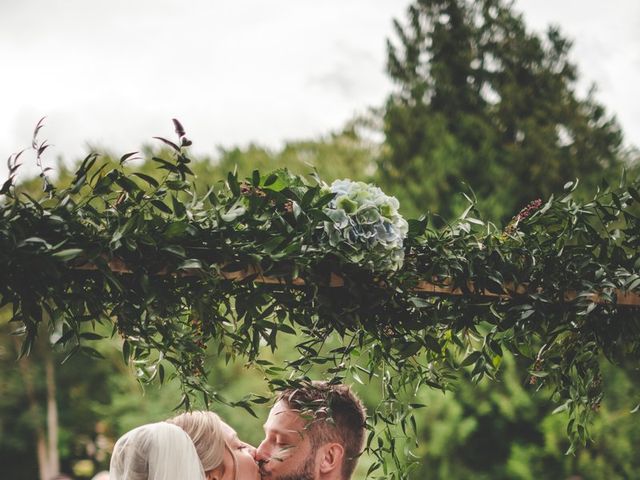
<point x="483" y="101"/>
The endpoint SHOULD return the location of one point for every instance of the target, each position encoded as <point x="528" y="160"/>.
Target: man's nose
<point x="262" y="453"/>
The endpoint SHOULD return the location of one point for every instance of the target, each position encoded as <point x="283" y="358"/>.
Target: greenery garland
<point x="153" y="257"/>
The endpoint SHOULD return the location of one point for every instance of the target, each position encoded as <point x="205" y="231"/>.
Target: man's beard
<point x="305" y="472"/>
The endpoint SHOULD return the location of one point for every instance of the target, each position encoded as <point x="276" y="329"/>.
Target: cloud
<point x="348" y="74"/>
<point x="115" y="73"/>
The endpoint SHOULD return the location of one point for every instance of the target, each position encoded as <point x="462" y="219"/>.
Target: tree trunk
<point x="41" y="448"/>
<point x="52" y="415"/>
<point x="46" y="440"/>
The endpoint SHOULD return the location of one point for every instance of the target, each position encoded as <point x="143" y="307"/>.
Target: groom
<point x="315" y="432"/>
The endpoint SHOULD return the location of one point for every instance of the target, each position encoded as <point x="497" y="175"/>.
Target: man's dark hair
<point x="335" y="414"/>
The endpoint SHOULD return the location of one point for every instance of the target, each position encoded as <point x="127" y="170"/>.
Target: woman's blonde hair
<point x="206" y="431"/>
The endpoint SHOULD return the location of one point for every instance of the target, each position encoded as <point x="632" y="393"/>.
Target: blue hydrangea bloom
<point x="365" y="225"/>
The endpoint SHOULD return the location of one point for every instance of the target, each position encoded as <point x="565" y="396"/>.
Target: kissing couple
<point x="314" y="432"/>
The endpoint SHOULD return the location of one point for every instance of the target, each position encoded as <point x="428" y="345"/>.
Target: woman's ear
<point x="214" y="474"/>
<point x="331" y="455"/>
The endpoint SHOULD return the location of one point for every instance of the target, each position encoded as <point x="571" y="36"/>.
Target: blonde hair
<point x="205" y="429"/>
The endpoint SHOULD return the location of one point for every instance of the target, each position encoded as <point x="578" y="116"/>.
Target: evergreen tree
<point x="505" y="430"/>
<point x="482" y="101"/>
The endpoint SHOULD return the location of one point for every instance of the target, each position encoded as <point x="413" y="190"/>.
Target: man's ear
<point x="331" y="455"/>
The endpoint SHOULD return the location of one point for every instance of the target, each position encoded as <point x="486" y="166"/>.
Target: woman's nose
<point x="252" y="450"/>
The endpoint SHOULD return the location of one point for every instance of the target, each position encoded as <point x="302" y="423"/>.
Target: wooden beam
<point x="623" y="298"/>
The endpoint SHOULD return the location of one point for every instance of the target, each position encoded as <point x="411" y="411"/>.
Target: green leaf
<point x="232" y="181"/>
<point x="561" y="408"/>
<point x="191" y="263"/>
<point x="127" y="184"/>
<point x="73" y="351"/>
<point x="308" y="197"/>
<point x="165" y="165"/>
<point x="178" y="208"/>
<point x="286" y="329"/>
<point x="91" y="352"/>
<point x="147" y="178"/>
<point x="163" y="207"/>
<point x="126" y="157"/>
<point x="235" y="211"/>
<point x="271" y="179"/>
<point x="175" y="229"/>
<point x="169" y="143"/>
<point x="471" y="359"/>
<point x="176" y="250"/>
<point x="35" y="241"/>
<point x="324" y="200"/>
<point x="634" y="193"/>
<point x="419" y="302"/>
<point x="126" y="351"/>
<point x="66" y="336"/>
<point x="409" y="349"/>
<point x="277" y="185"/>
<point x="91" y="336"/>
<point x="68" y="254"/>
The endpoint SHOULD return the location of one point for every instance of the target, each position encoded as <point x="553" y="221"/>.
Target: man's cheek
<point x="279" y="459"/>
<point x="289" y="451"/>
<point x="274" y="463"/>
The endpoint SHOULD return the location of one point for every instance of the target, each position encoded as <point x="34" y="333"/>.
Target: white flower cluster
<point x="366" y="225"/>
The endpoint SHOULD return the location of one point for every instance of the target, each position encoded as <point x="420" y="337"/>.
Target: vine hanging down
<point x="236" y="268"/>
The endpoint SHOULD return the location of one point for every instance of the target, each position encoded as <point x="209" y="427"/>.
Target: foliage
<point x="99" y="400"/>
<point x="172" y="298"/>
<point x="498" y="430"/>
<point x="483" y="101"/>
<point x="346" y="153"/>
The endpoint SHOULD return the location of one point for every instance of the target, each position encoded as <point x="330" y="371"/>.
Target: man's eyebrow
<point x="278" y="430"/>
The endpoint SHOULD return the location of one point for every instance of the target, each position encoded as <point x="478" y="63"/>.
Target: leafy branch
<point x="250" y="262"/>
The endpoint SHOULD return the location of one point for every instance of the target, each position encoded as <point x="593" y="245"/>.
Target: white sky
<point x="113" y="73"/>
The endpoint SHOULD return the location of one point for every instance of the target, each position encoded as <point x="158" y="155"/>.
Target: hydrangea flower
<point x="365" y="225"/>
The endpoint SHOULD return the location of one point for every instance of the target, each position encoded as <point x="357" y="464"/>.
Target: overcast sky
<point x="113" y="73"/>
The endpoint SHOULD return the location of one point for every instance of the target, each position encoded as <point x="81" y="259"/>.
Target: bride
<point x="223" y="455"/>
<point x="191" y="446"/>
<point x="156" y="451"/>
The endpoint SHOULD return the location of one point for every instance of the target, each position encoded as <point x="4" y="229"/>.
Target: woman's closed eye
<point x="243" y="448"/>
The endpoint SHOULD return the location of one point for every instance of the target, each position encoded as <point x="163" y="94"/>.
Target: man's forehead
<point x="284" y="420"/>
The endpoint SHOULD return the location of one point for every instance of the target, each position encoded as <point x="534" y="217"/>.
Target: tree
<point x="343" y="154"/>
<point x="482" y="100"/>
<point x="503" y="430"/>
<point x="29" y="404"/>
